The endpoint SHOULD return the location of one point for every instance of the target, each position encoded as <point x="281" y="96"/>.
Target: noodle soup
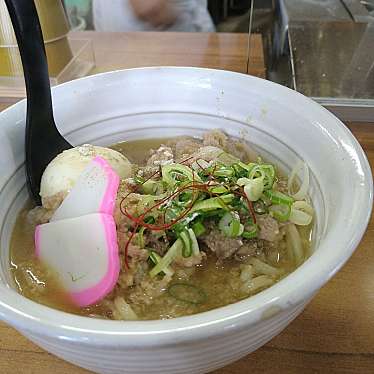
<point x="201" y="223"/>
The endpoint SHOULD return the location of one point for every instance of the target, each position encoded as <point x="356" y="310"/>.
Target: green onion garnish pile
<point x="180" y="199"/>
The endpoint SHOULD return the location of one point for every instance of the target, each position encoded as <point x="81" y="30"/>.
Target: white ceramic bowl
<point x="163" y="102"/>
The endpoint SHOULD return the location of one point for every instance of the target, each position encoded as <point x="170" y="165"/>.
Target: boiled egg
<point x="63" y="171"/>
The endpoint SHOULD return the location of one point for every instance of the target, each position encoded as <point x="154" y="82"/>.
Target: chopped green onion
<point x="213" y="203"/>
<point x="277" y="197"/>
<point x="230" y="225"/>
<point x="249" y="234"/>
<point x="172" y="213"/>
<point x="185" y="197"/>
<point x="239" y="170"/>
<point x="269" y="175"/>
<point x="138" y="179"/>
<point x="141" y="237"/>
<point x="250" y="230"/>
<point x="225" y="222"/>
<point x="156" y="258"/>
<point x="150" y="220"/>
<point x="259" y="207"/>
<point x="245" y="166"/>
<point x="220" y="189"/>
<point x="281" y="212"/>
<point x="243" y="181"/>
<point x="151" y="187"/>
<point x="239" y="167"/>
<point x="198" y="228"/>
<point x="224" y="172"/>
<point x="266" y="172"/>
<point x="236" y="228"/>
<point x="254" y="189"/>
<point x="194" y="243"/>
<point x="169" y="257"/>
<point x="145" y="201"/>
<point x="170" y="172"/>
<point x="187" y="293"/>
<point x="187" y="245"/>
<point x="255" y="171"/>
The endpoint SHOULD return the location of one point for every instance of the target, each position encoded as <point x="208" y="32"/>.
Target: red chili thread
<point x="187" y="159"/>
<point x="197" y="163"/>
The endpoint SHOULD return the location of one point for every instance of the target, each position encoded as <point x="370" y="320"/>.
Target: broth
<point x="214" y="283"/>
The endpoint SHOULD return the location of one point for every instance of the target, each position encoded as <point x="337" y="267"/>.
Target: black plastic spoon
<point x="43" y="141"/>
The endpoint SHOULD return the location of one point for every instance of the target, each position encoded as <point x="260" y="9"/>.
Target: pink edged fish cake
<point x="84" y="253"/>
<point x="80" y="241"/>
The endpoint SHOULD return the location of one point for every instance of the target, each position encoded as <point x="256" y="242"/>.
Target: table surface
<point x="113" y="51"/>
<point x="335" y="333"/>
<point x="226" y="51"/>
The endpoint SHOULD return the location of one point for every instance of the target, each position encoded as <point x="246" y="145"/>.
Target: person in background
<point x="152" y="15"/>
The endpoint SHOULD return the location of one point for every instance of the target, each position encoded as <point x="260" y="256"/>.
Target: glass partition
<point x="325" y="50"/>
<point x="321" y="48"/>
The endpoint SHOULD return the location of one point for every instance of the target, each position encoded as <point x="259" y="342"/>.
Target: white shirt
<point x="117" y="15"/>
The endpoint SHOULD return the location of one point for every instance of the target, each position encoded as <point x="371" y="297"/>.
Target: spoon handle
<point x="42" y="140"/>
